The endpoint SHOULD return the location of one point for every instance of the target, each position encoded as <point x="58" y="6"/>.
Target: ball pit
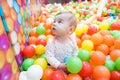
<point x="96" y="41"/>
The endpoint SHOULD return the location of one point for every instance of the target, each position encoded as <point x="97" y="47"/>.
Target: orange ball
<point x="98" y="58"/>
<point x="32" y="40"/>
<point x="101" y="73"/>
<point x="97" y="39"/>
<point x="108" y="40"/>
<point x="103" y="48"/>
<point x="85" y="37"/>
<point x="48" y="32"/>
<point x="117" y="43"/>
<point x="73" y="77"/>
<point x="48" y="25"/>
<point x="104" y="32"/>
<point x="78" y="42"/>
<point x="47" y="73"/>
<point x="115" y="54"/>
<point x="33" y="33"/>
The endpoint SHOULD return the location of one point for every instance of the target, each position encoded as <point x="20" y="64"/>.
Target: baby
<point x="63" y="44"/>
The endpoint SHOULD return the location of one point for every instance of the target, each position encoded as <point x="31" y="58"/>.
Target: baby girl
<point x="63" y="44"/>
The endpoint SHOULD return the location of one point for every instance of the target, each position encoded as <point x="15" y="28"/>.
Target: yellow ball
<point x="87" y="45"/>
<point x="47" y="37"/>
<point x="41" y="62"/>
<point x="40" y="49"/>
<point x="104" y="26"/>
<point x="80" y="29"/>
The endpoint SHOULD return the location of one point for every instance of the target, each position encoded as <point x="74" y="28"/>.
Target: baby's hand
<point x="62" y="66"/>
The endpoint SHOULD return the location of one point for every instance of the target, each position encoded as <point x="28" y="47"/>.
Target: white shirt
<point x="56" y="51"/>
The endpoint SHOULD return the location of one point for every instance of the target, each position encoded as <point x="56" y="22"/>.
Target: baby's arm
<point x="50" y="54"/>
<point x="75" y="49"/>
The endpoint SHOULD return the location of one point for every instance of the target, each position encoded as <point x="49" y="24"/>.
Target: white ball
<point x="23" y="75"/>
<point x="34" y="72"/>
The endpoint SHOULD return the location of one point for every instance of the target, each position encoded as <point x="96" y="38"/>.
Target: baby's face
<point x="61" y="25"/>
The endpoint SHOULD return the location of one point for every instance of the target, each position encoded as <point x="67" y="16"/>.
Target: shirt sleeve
<point x="50" y="54"/>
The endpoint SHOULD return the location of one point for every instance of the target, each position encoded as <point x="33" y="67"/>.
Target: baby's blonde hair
<point x="71" y="18"/>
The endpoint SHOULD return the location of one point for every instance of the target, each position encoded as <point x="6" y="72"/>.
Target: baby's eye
<point x="59" y="21"/>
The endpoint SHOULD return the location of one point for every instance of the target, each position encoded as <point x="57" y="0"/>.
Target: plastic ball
<point x="73" y="77"/>
<point x="103" y="48"/>
<point x="41" y="41"/>
<point x="27" y="63"/>
<point x="81" y="29"/>
<point x="86" y="69"/>
<point x="57" y="75"/>
<point x="115" y="26"/>
<point x="117" y="43"/>
<point x="97" y="38"/>
<point x="98" y="58"/>
<point x="115" y="34"/>
<point x="32" y="40"/>
<point x="34" y="72"/>
<point x="40" y="49"/>
<point x="104" y="26"/>
<point x="87" y="45"/>
<point x="85" y="37"/>
<point x="33" y="33"/>
<point x="41" y="62"/>
<point x="23" y="75"/>
<point x="47" y="73"/>
<point x="115" y="75"/>
<point x="40" y="30"/>
<point x="92" y="29"/>
<point x="101" y="72"/>
<point x="28" y="51"/>
<point x="110" y="65"/>
<point x="114" y="54"/>
<point x="84" y="55"/>
<point x="43" y="56"/>
<point x="117" y="63"/>
<point x="108" y="40"/>
<point x="74" y="64"/>
<point x="104" y="32"/>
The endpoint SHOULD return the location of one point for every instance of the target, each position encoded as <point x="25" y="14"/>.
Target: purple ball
<point x="4" y="42"/>
<point x="19" y="59"/>
<point x="6" y="72"/>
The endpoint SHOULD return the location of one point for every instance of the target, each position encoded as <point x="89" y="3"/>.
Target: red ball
<point x="28" y="51"/>
<point x="86" y="69"/>
<point x="41" y="41"/>
<point x="92" y="29"/>
<point x="115" y="75"/>
<point x="57" y="75"/>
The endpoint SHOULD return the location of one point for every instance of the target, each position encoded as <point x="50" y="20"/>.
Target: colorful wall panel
<point x="14" y="29"/>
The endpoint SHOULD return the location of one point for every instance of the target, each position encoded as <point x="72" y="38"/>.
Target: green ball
<point x="74" y="64"/>
<point x="117" y="63"/>
<point x="115" y="34"/>
<point x="43" y="56"/>
<point x="40" y="30"/>
<point x="27" y="63"/>
<point x="110" y="65"/>
<point x="84" y="55"/>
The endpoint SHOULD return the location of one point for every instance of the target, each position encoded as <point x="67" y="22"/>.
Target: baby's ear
<point x="71" y="29"/>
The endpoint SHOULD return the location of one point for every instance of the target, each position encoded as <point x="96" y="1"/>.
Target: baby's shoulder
<point x="51" y="39"/>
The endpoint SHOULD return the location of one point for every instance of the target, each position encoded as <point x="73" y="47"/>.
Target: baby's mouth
<point x="53" y="28"/>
